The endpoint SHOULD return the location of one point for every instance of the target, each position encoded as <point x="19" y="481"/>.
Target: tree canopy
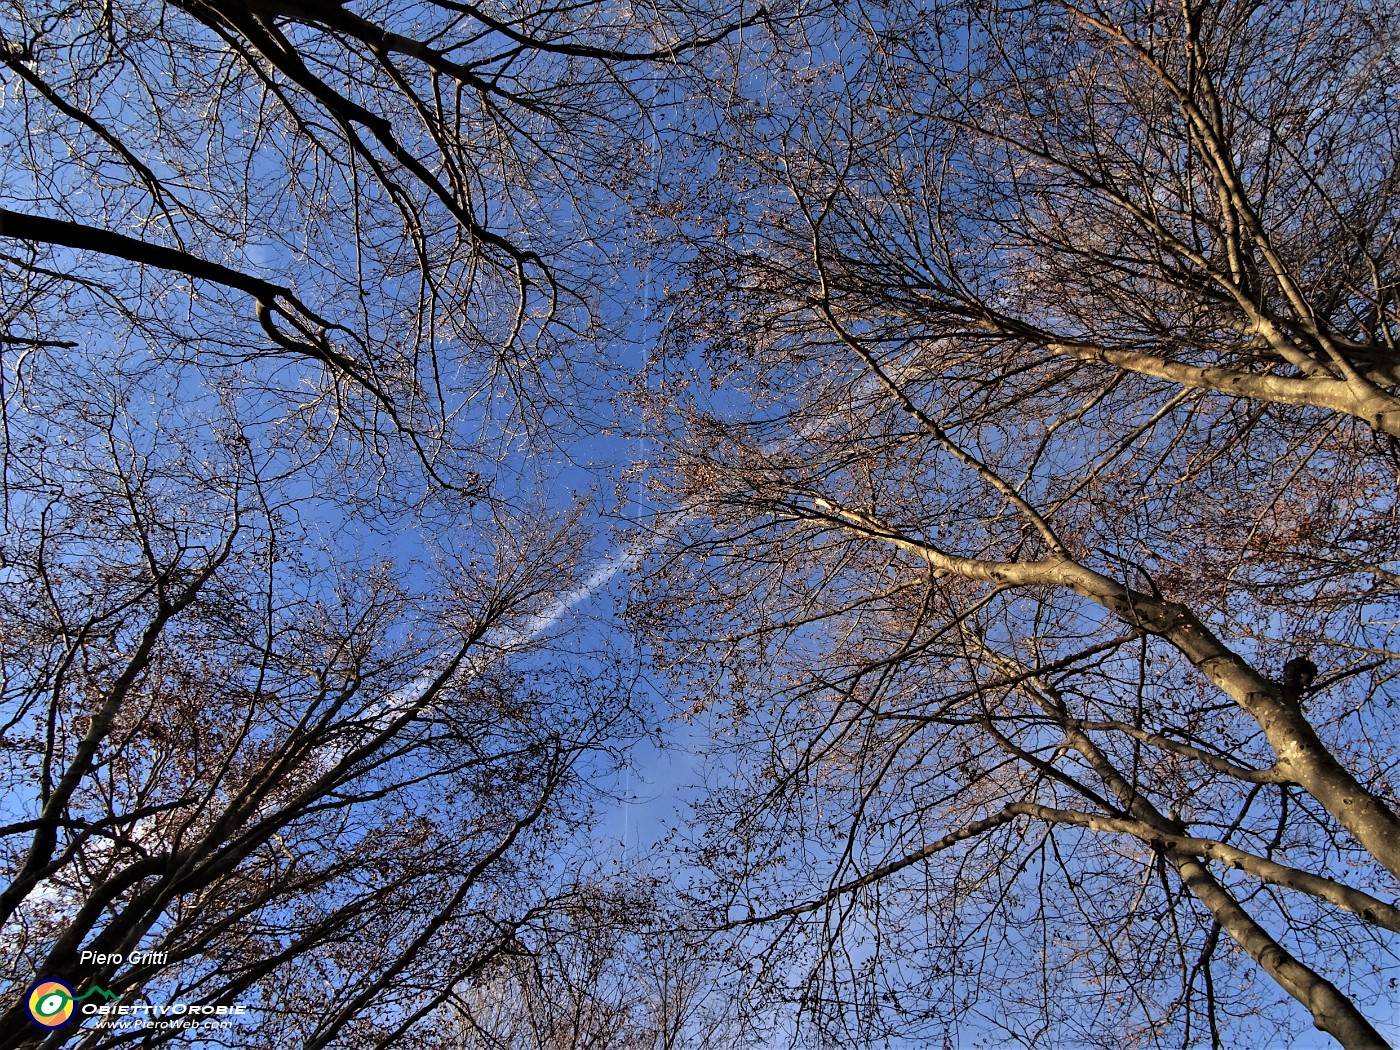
<point x="1042" y="538"/>
<point x="998" y="409"/>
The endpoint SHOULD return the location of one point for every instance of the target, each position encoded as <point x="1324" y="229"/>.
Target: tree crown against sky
<point x="304" y="310"/>
<point x="1023" y="423"/>
<point x="1042" y="520"/>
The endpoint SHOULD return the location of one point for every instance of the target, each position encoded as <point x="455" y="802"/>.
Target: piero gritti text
<point x="137" y="958"/>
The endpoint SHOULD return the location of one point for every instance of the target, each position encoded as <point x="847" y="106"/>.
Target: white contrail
<point x="498" y="644"/>
<point x="624" y="557"/>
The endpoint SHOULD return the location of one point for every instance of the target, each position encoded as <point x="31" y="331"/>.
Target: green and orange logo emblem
<point x="52" y="1003"/>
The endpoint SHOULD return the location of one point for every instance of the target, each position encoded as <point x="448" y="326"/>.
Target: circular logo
<point x="50" y="1003"/>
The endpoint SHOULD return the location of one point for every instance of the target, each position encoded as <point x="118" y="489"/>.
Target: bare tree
<point x="292" y="298"/>
<point x="312" y="784"/>
<point x="610" y="969"/>
<point x="406" y="211"/>
<point x="1043" y="546"/>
